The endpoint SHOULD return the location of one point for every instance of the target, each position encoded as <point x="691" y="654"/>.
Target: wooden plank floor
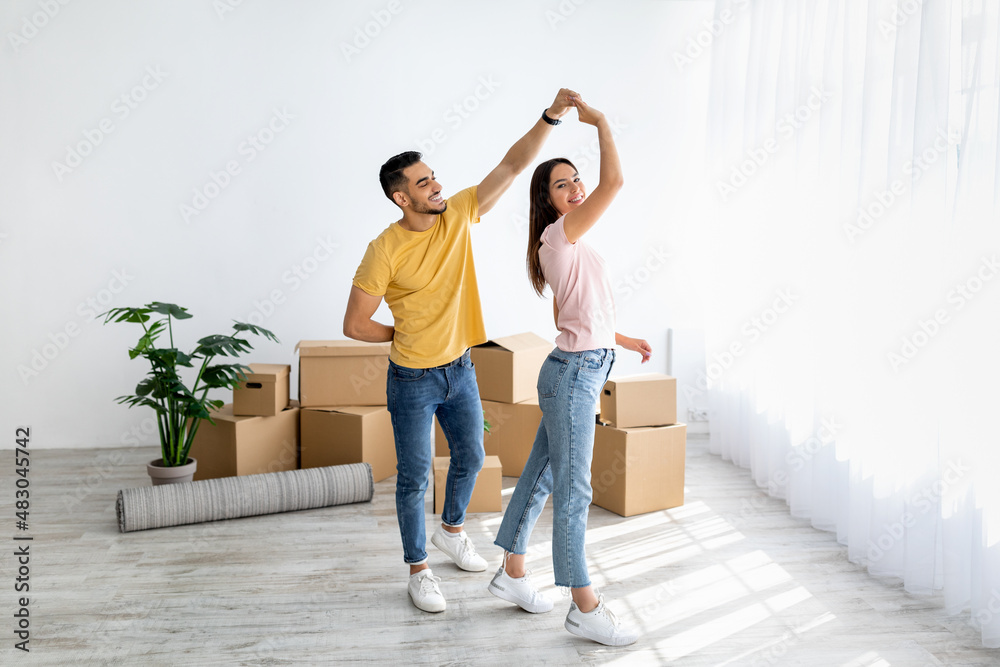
<point x="706" y="584"/>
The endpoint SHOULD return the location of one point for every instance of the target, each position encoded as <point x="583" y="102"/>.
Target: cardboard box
<point x="237" y="445"/>
<point x="638" y="470"/>
<point x="640" y="400"/>
<point x="507" y="368"/>
<point x="512" y="433"/>
<point x="342" y="372"/>
<point x="485" y="496"/>
<point x="349" y="434"/>
<point x="265" y="392"/>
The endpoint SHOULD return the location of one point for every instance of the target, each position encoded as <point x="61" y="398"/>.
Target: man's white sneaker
<point x="425" y="592"/>
<point x="600" y="625"/>
<point x="459" y="548"/>
<point x="519" y="591"/>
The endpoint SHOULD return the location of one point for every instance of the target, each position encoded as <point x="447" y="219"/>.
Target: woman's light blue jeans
<point x="569" y="386"/>
<point x="415" y="396"/>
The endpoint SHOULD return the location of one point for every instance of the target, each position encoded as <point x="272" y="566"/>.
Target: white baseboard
<point x="697" y="427"/>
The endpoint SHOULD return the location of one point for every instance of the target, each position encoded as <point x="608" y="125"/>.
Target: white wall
<point x="110" y="230"/>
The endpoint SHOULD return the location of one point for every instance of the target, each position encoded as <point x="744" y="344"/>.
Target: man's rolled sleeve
<point x="373" y="273"/>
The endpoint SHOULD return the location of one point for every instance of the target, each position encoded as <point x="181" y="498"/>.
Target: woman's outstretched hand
<point x="637" y="345"/>
<point x="562" y="103"/>
<point x="587" y="114"/>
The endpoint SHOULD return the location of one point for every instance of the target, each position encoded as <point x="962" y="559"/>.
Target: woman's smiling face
<point x="566" y="190"/>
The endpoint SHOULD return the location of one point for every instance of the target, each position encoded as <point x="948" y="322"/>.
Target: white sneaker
<point x="459" y="548"/>
<point x="519" y="591"/>
<point x="600" y="625"/>
<point x="425" y="592"/>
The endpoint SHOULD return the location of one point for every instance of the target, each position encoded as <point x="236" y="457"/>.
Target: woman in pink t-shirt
<point x="569" y="385"/>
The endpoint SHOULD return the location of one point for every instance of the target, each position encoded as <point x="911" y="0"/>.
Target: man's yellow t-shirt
<point x="428" y="280"/>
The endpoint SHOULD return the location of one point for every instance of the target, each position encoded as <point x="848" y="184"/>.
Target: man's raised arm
<point x="522" y="153"/>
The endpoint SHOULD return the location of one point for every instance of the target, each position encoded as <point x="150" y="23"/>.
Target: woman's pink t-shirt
<point x="582" y="290"/>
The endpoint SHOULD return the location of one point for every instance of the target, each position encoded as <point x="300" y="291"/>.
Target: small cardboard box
<point x="349" y="434"/>
<point x="640" y="400"/>
<point x="507" y="368"/>
<point x="237" y="445"/>
<point x="512" y="433"/>
<point x="486" y="494"/>
<point x="265" y="392"/>
<point x="342" y="372"/>
<point x="638" y="470"/>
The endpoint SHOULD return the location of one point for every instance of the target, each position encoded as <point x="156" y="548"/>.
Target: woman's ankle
<point x="513" y="565"/>
<point x="585" y="599"/>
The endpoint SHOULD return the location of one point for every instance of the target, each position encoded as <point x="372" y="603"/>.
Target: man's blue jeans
<point x="414" y="396"/>
<point x="569" y="386"/>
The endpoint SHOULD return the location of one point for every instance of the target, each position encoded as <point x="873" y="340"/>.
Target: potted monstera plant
<point x="180" y="409"/>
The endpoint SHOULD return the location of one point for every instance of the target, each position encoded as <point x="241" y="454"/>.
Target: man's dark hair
<point x="391" y="174"/>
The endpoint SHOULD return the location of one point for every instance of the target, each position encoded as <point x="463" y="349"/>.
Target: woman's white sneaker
<point x="425" y="592"/>
<point x="519" y="591"/>
<point x="459" y="548"/>
<point x="600" y="625"/>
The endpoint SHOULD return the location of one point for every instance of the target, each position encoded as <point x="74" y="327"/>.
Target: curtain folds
<point x="852" y="278"/>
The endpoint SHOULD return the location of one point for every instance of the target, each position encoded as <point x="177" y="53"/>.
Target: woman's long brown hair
<point x="541" y="214"/>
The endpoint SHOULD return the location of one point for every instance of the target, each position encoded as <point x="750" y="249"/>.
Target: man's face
<point x="423" y="190"/>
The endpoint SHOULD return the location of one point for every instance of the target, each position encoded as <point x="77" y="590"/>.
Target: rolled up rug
<point x="250" y="495"/>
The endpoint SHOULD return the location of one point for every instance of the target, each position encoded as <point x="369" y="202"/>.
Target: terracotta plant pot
<point x="161" y="474"/>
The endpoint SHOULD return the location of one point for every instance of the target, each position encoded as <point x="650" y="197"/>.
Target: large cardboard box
<point x="638" y="470"/>
<point x="507" y="368"/>
<point x="237" y="445"/>
<point x="640" y="400"/>
<point x="512" y="433"/>
<point x="265" y="392"/>
<point x="485" y="496"/>
<point x="349" y="434"/>
<point x="342" y="372"/>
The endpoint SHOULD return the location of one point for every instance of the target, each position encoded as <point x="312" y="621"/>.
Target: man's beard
<point x="425" y="209"/>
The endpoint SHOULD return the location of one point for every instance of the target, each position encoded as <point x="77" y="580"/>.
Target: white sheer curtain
<point x="852" y="278"/>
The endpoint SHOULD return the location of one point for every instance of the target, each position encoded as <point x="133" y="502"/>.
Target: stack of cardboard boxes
<point x="639" y="447"/>
<point x="344" y="416"/>
<point x="258" y="432"/>
<point x="341" y="417"/>
<point x="506" y="370"/>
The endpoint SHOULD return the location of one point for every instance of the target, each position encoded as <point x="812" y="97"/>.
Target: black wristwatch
<point x="550" y="121"/>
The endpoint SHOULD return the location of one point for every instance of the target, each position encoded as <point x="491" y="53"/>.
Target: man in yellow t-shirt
<point x="422" y="266"/>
